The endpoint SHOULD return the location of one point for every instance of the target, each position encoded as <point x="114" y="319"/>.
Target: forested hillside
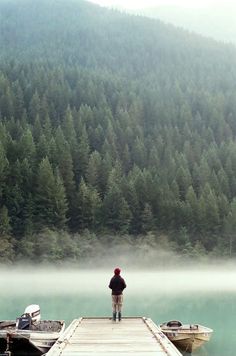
<point x="112" y="125"/>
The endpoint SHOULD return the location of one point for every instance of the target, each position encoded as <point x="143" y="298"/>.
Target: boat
<point x="29" y="329"/>
<point x="186" y="337"/>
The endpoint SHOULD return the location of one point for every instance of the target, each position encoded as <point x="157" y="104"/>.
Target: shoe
<point x="119" y="316"/>
<point x="114" y="316"/>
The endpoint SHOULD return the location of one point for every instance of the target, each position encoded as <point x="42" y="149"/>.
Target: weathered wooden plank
<point x="101" y="336"/>
<point x="109" y="353"/>
<point x="115" y="348"/>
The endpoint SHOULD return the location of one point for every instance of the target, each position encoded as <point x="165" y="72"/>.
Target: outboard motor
<point x="34" y="311"/>
<point x="31" y="315"/>
<point x="24" y="322"/>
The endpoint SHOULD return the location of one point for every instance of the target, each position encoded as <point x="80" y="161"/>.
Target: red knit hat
<point x="117" y="271"/>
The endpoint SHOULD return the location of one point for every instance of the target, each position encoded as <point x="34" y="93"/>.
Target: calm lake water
<point x="207" y="297"/>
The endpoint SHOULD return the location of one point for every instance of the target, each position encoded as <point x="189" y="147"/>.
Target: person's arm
<point x="124" y="284"/>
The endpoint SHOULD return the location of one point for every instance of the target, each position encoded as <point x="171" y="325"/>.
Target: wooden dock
<point x="101" y="337"/>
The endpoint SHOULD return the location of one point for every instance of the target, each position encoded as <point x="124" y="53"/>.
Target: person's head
<point x="117" y="271"/>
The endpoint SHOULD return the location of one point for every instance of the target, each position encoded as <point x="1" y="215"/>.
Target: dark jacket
<point x="117" y="284"/>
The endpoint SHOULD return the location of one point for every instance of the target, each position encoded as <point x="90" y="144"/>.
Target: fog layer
<point x="59" y="282"/>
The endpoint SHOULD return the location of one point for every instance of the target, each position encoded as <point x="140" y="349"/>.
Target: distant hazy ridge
<point x="216" y="21"/>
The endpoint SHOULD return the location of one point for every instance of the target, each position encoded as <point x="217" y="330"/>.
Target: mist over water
<point x="205" y="296"/>
<point x="53" y="281"/>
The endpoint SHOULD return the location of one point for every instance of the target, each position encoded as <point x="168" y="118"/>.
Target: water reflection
<point x="24" y="350"/>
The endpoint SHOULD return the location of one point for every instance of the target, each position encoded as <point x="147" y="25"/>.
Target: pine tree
<point x="61" y="203"/>
<point x="192" y="209"/>
<point x="27" y="211"/>
<point x="51" y="203"/>
<point x="230" y="229"/>
<point x="183" y="178"/>
<point x="147" y="219"/>
<point x="47" y="128"/>
<point x="82" y="157"/>
<point x="18" y="100"/>
<point x="6" y="104"/>
<point x="116" y="212"/>
<point x="131" y="198"/>
<point x="4" y="164"/>
<point x="68" y="128"/>
<point x="5" y="226"/>
<point x="37" y="129"/>
<point x="88" y="207"/>
<point x="212" y="213"/>
<point x="94" y="171"/>
<point x="35" y="106"/>
<point x="27" y="146"/>
<point x="42" y="148"/>
<point x="13" y="197"/>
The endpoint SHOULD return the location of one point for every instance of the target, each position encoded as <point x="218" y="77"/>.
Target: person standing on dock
<point x="117" y="285"/>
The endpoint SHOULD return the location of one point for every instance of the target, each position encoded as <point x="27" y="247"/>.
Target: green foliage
<point x="116" y="212"/>
<point x="51" y="203"/>
<point x="111" y="122"/>
<point x="6" y="249"/>
<point x="88" y="206"/>
<point x="5" y="227"/>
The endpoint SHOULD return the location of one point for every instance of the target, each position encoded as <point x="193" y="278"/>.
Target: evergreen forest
<point x="113" y="129"/>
